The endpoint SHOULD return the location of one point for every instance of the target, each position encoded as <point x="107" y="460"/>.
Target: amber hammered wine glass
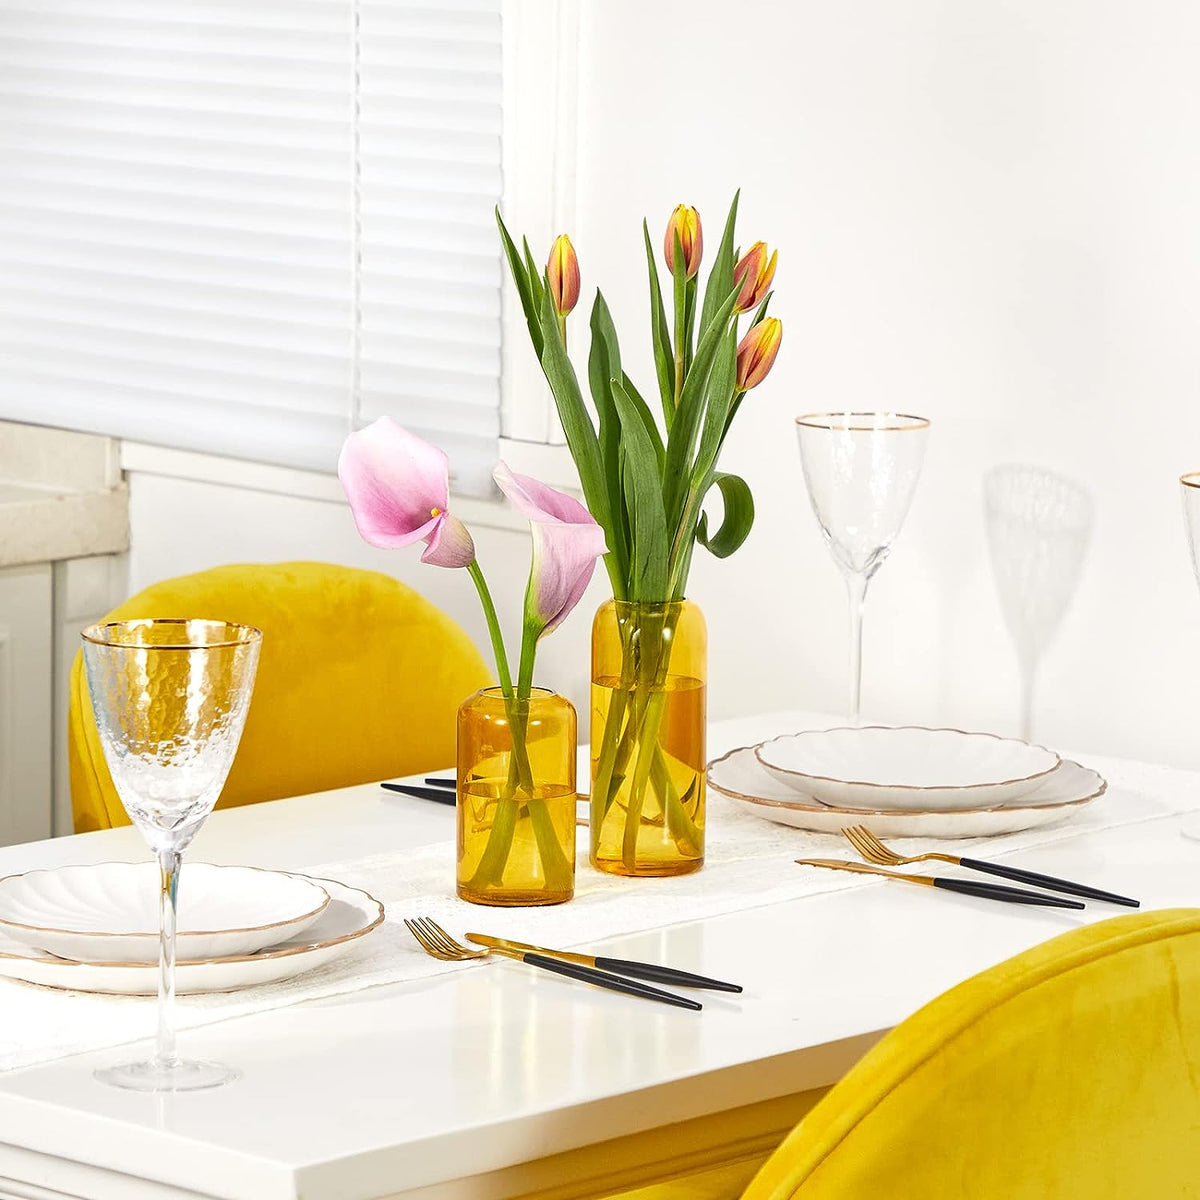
<point x="170" y="699"/>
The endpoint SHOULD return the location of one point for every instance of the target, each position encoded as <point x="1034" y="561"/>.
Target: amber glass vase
<point x="649" y="663"/>
<point x="516" y="798"/>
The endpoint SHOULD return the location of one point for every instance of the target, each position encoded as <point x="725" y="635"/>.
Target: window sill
<point x="143" y="459"/>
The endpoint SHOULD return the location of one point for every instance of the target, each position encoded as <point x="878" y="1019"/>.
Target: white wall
<point x="987" y="213"/>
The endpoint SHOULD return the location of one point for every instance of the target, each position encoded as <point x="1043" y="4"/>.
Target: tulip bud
<point x="756" y="352"/>
<point x="754" y="273"/>
<point x="685" y="225"/>
<point x="562" y="270"/>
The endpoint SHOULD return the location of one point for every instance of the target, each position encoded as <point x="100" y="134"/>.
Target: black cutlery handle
<point x="422" y="793"/>
<point x="997" y="891"/>
<point x="440" y="781"/>
<point x="613" y="982"/>
<point x="1047" y="881"/>
<point x="640" y="970"/>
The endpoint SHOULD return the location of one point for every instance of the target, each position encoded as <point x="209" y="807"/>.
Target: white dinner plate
<point x="741" y="777"/>
<point x="906" y="766"/>
<point x="350" y="915"/>
<point x="108" y="912"/>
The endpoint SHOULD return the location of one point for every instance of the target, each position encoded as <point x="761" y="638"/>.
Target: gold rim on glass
<point x="232" y="633"/>
<point x="1191" y="479"/>
<point x="843" y="422"/>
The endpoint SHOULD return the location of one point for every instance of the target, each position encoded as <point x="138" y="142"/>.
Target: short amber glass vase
<point x="649" y="663"/>
<point x="516" y="798"/>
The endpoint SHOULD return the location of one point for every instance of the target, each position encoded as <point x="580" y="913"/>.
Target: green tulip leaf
<point x="535" y="276"/>
<point x="644" y="498"/>
<point x="647" y="417"/>
<point x="736" y="521"/>
<point x="604" y="364"/>
<point x="573" y="414"/>
<point x="721" y="384"/>
<point x="524" y="279"/>
<point x="681" y="441"/>
<point x="659" y="335"/>
<point x="720" y="278"/>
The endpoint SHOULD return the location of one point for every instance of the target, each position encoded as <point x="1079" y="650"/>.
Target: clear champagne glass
<point x="861" y="469"/>
<point x="1038" y="526"/>
<point x="170" y="699"/>
<point x="1190" y="487"/>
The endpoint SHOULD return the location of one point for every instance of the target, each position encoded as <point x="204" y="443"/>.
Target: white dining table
<point x="507" y="1081"/>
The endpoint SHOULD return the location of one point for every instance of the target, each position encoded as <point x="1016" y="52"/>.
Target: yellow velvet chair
<point x="1070" y="1072"/>
<point x="359" y="679"/>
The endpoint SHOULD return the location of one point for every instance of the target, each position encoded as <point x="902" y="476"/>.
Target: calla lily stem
<point x="493" y="624"/>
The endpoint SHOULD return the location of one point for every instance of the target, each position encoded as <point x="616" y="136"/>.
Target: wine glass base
<point x="1190" y="828"/>
<point x="181" y="1075"/>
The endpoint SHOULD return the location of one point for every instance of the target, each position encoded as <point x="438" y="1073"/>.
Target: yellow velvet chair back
<point x="1071" y="1071"/>
<point x="359" y="679"/>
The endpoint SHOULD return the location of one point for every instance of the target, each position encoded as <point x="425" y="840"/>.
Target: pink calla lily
<point x="566" y="543"/>
<point x="399" y="491"/>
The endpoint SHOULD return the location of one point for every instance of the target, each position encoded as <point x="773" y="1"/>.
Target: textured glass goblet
<point x="1038" y="527"/>
<point x="861" y="469"/>
<point x="170" y="699"/>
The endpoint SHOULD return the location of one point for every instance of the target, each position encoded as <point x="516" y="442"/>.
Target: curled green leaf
<point x="737" y="520"/>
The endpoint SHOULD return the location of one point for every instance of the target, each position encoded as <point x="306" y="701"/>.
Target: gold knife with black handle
<point x="619" y="966"/>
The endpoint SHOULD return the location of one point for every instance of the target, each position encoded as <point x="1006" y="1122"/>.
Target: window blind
<point x="246" y="226"/>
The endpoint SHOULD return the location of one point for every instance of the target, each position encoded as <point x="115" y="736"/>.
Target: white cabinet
<point x="64" y="528"/>
<point x="85" y="589"/>
<point x="26" y="702"/>
<point x="43" y="607"/>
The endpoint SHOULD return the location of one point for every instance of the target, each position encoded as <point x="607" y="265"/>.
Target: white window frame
<point x="540" y="59"/>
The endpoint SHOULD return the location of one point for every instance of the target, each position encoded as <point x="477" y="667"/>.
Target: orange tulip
<point x="684" y="225"/>
<point x="562" y="270"/>
<point x="754" y="272"/>
<point x="756" y="352"/>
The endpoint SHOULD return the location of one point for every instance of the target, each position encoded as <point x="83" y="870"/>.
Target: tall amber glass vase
<point x="516" y="798"/>
<point x="649" y="663"/>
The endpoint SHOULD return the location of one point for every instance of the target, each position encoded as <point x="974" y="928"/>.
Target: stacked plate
<point x="95" y="928"/>
<point x="905" y="781"/>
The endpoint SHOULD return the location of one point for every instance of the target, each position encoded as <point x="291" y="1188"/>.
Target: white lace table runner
<point x="748" y="864"/>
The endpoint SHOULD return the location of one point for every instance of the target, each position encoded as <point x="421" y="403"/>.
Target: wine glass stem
<point x="168" y="865"/>
<point x="856" y="589"/>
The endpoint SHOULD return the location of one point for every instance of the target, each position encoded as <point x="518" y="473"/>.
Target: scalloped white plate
<point x="108" y="912"/>
<point x="906" y="766"/>
<point x="350" y="915"/>
<point x="740" y="776"/>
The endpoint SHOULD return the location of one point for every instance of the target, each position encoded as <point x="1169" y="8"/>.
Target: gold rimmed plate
<point x="740" y="776"/>
<point x="350" y="916"/>
<point x="906" y="766"/>
<point x="108" y="912"/>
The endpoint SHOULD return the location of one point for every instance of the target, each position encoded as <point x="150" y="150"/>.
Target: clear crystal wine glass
<point x="1038" y="528"/>
<point x="861" y="469"/>
<point x="1190" y="487"/>
<point x="170" y="699"/>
